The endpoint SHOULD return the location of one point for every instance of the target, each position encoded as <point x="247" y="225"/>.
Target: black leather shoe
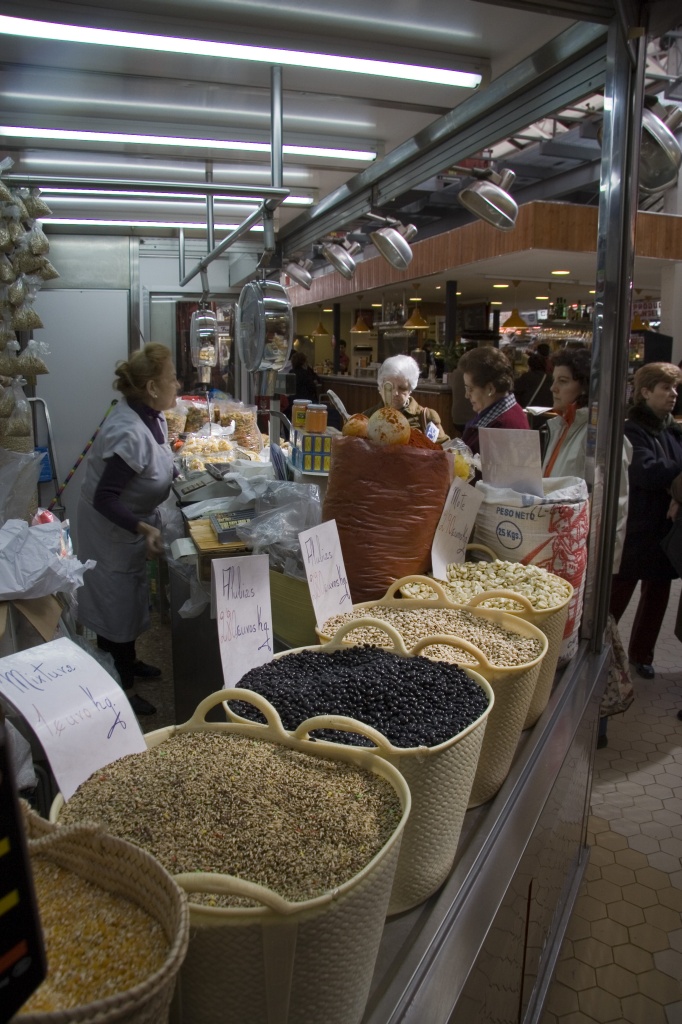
<point x="143" y="671"/>
<point x="645" y="671"/>
<point x="141" y="706"/>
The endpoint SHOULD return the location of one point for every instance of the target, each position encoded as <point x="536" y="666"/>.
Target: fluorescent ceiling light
<point x="495" y="303"/>
<point x="560" y="273"/>
<point x="234" y="51"/>
<point x="86" y="222"/>
<point x="500" y="286"/>
<point x="540" y="298"/>
<point x="239" y="172"/>
<point x="57" y="195"/>
<point x="166" y="140"/>
<point x="186" y="108"/>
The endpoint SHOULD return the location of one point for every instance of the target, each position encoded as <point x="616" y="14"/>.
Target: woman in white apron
<point x="128" y="475"/>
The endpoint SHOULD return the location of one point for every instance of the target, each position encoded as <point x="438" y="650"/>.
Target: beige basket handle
<point x="274" y="722"/>
<point x="366" y="622"/>
<point x="448" y="640"/>
<point x="345" y="724"/>
<point x="501" y="592"/>
<point x="484" y="549"/>
<point x="426" y="581"/>
<point x="229" y="885"/>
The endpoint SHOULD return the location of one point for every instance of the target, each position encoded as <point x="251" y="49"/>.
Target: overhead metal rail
<point x="556" y="76"/>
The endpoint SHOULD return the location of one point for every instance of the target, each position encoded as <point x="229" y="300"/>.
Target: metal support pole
<point x="623" y="100"/>
<point x="210" y="222"/>
<point x="276" y="162"/>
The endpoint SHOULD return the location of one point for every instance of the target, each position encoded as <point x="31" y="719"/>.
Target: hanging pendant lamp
<point x="515" y="321"/>
<point x="360" y="325"/>
<point x="416" y="322"/>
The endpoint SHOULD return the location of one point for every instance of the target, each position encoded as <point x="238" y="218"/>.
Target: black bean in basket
<point x="414" y="702"/>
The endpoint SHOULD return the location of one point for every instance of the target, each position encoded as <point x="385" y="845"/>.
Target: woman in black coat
<point x="656" y="460"/>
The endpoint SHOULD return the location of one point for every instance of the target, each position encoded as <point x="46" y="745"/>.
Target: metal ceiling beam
<point x="556" y="76"/>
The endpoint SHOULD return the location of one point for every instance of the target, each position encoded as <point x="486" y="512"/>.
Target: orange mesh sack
<point x="387" y="501"/>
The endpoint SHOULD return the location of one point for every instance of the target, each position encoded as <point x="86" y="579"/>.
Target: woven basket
<point x="281" y="962"/>
<point x="123" y="869"/>
<point x="440" y="780"/>
<point x="513" y="686"/>
<point x="551" y="621"/>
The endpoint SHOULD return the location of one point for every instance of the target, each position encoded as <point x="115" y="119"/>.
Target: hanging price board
<point x="241" y="598"/>
<point x="325" y="571"/>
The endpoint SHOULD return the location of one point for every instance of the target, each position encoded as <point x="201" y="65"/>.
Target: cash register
<point x="205" y="484"/>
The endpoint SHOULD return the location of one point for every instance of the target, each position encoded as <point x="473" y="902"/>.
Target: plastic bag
<point x="31" y="564"/>
<point x="30" y="361"/>
<point x="46" y="271"/>
<point x="466" y="464"/>
<point x="19" y="423"/>
<point x="19" y="472"/>
<point x="247" y="434"/>
<point x="7" y="274"/>
<point x="36" y="206"/>
<point x="387" y="502"/>
<point x="282" y="512"/>
<point x="619" y="692"/>
<point x="5" y="165"/>
<point x="38" y="241"/>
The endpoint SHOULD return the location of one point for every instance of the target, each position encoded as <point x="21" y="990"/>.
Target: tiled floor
<point x="622" y="957"/>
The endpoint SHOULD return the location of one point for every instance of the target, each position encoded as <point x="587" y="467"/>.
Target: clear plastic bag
<point x="5" y="165"/>
<point x="18" y="201"/>
<point x="8" y="359"/>
<point x="17" y="290"/>
<point x="38" y="242"/>
<point x="46" y="271"/>
<point x="19" y="474"/>
<point x="282" y="512"/>
<point x="7" y="274"/>
<point x="36" y="206"/>
<point x="19" y="423"/>
<point x="30" y="361"/>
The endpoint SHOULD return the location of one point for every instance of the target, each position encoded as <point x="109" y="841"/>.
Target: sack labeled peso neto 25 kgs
<point x="550" y="532"/>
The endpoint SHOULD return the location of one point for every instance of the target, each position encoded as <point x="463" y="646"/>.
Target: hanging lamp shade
<point x="515" y="321"/>
<point x="360" y="326"/>
<point x="319" y="330"/>
<point x="416" y="322"/>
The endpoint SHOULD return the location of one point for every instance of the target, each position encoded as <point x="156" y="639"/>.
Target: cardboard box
<point x="311" y="453"/>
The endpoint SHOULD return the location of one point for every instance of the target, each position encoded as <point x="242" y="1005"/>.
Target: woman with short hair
<point x="398" y="376"/>
<point x="488" y="384"/>
<point x="656" y="460"/>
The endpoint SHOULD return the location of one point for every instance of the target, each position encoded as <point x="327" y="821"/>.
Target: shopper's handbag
<point x="672" y="545"/>
<point x="619" y="693"/>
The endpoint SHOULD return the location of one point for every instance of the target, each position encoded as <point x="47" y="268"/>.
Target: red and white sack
<point x="551" y="532"/>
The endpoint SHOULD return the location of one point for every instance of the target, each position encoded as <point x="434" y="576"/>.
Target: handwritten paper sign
<point x="455" y="526"/>
<point x="241" y="592"/>
<point x="325" y="570"/>
<point x="80" y="715"/>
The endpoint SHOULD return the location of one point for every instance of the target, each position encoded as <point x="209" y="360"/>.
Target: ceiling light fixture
<point x="515" y="321"/>
<point x="299" y="271"/>
<point x="60" y="195"/>
<point x="488" y="198"/>
<point x="560" y="273"/>
<point x="500" y="286"/>
<point x="391" y="240"/>
<point x="320" y="330"/>
<point x="660" y="155"/>
<point x="151" y="225"/>
<point x="234" y="51"/>
<point x="15" y="132"/>
<point x="340" y="254"/>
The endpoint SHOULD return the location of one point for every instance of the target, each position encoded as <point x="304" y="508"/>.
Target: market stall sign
<point x="77" y="711"/>
<point x="325" y="571"/>
<point x="241" y="599"/>
<point x="455" y="527"/>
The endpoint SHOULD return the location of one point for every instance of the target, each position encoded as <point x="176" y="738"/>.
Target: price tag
<point x="80" y="715"/>
<point x="325" y="571"/>
<point x="455" y="526"/>
<point x="241" y="597"/>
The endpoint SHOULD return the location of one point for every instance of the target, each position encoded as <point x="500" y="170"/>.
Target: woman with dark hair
<point x="656" y="460"/>
<point x="534" y="386"/>
<point x="128" y="474"/>
<point x="488" y="382"/>
<point x="565" y="452"/>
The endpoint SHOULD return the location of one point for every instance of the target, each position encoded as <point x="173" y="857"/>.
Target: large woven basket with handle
<point x="440" y="779"/>
<point x="513" y="686"/>
<point x="280" y="962"/>
<point x="118" y="867"/>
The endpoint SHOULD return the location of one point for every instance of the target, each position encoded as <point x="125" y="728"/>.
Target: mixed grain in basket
<point x="465" y="580"/>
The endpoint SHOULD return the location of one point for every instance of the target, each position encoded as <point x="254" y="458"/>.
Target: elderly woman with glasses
<point x="397" y="378"/>
<point x="488" y="384"/>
